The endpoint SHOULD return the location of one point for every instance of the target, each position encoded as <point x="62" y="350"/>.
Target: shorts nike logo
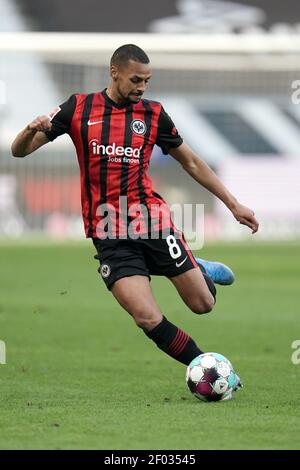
<point x="181" y="263"/>
<point x="92" y="123"/>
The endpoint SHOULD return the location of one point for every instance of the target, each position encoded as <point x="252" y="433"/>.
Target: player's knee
<point x="202" y="305"/>
<point x="146" y="322"/>
<point x="209" y="304"/>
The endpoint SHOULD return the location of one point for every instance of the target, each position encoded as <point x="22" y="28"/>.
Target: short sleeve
<point x="167" y="134"/>
<point x="61" y="118"/>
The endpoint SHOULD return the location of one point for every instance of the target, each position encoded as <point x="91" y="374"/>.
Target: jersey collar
<point x="113" y="103"/>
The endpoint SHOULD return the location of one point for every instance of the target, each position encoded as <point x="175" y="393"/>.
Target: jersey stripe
<point x="127" y="143"/>
<point x="124" y="220"/>
<point x="104" y="158"/>
<point x="114" y="168"/>
<point x="148" y="119"/>
<point x="141" y="187"/>
<point x="84" y="136"/>
<point x="94" y="136"/>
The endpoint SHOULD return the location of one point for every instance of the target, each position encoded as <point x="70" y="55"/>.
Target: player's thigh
<point x="134" y="294"/>
<point x="118" y="259"/>
<point x="193" y="290"/>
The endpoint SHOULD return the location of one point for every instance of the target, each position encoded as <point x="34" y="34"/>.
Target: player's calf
<point x="203" y="302"/>
<point x="196" y="289"/>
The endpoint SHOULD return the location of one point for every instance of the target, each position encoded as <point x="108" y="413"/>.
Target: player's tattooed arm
<point x="32" y="137"/>
<point x="205" y="176"/>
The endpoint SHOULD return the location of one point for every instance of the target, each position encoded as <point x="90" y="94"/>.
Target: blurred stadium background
<point x="226" y="72"/>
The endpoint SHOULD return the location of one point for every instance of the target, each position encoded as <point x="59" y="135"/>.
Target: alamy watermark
<point x="2" y="352"/>
<point x="295" y="358"/>
<point x="295" y="97"/>
<point x="151" y="221"/>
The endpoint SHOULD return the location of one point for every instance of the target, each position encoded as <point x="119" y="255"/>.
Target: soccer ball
<point x="211" y="377"/>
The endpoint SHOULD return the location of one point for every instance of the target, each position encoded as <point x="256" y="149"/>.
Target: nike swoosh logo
<point x="92" y="123"/>
<point x="181" y="263"/>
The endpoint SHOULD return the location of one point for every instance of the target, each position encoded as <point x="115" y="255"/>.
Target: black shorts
<point x="145" y="257"/>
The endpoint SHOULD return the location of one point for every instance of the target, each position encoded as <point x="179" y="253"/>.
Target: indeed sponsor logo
<point x="115" y="150"/>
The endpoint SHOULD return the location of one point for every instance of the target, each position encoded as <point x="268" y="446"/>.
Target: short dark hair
<point x="129" y="52"/>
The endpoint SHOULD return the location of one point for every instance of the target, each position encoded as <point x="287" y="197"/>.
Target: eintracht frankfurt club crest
<point x="105" y="270"/>
<point x="138" y="127"/>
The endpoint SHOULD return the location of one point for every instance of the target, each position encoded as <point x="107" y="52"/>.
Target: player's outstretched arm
<point x="32" y="137"/>
<point x="204" y="175"/>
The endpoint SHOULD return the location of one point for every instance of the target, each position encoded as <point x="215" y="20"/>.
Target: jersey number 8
<point x="174" y="248"/>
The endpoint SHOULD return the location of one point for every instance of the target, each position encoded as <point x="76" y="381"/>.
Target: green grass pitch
<point x="80" y="375"/>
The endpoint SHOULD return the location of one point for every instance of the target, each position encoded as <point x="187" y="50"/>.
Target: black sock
<point x="174" y="342"/>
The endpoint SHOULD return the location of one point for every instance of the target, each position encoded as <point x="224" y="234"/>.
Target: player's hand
<point x="41" y="123"/>
<point x="245" y="216"/>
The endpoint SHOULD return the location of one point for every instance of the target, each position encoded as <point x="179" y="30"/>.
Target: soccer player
<point x="114" y="132"/>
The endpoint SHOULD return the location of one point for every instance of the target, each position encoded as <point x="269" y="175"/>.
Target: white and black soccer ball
<point x="211" y="377"/>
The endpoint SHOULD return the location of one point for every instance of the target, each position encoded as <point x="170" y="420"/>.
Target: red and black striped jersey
<point x="114" y="144"/>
